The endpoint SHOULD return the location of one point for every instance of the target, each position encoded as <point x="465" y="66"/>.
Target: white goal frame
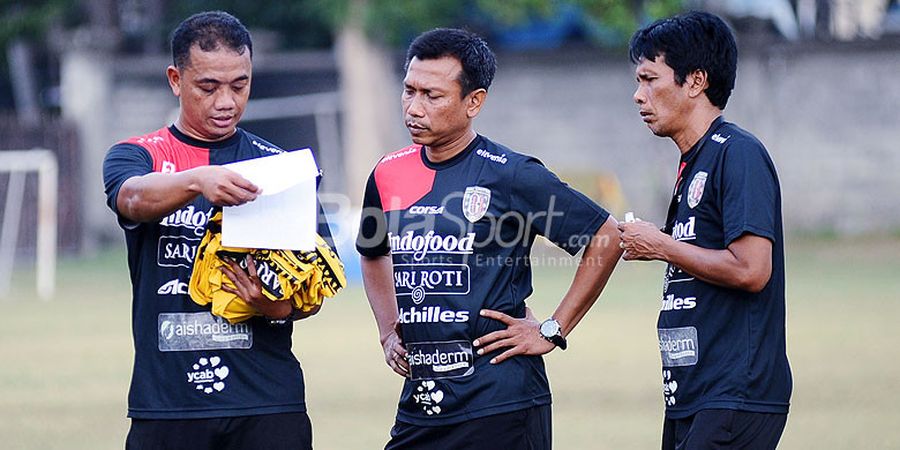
<point x="18" y="163"/>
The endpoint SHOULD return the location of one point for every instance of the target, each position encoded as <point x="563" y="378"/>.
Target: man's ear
<point x="474" y="102"/>
<point x="697" y="82"/>
<point x="174" y="76"/>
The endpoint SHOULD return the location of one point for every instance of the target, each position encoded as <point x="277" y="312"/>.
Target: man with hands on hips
<point x="445" y="238"/>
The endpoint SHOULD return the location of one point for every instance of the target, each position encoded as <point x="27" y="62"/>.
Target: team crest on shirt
<point x="476" y="201"/>
<point x="695" y="190"/>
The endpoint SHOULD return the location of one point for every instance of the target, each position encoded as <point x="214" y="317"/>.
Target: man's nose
<point x="414" y="107"/>
<point x="225" y="101"/>
<point x="638" y="96"/>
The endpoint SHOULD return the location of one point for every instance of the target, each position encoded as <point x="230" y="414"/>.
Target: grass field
<point x="65" y="365"/>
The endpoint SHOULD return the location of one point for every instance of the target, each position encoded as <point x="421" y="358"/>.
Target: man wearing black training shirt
<point x="726" y="378"/>
<point x="445" y="238"/>
<point x="200" y="382"/>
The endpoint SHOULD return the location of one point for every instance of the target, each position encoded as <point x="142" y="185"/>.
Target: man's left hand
<point x="521" y="337"/>
<point x="249" y="288"/>
<point x="642" y="241"/>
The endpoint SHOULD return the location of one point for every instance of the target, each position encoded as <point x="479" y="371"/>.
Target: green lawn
<point x="65" y="364"/>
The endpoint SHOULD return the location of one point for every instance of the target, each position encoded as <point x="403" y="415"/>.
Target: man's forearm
<point x="155" y="195"/>
<point x="597" y="264"/>
<point x="378" y="279"/>
<point x="744" y="265"/>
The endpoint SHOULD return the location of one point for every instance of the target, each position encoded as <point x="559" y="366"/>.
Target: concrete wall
<point x="829" y="117"/>
<point x="827" y="114"/>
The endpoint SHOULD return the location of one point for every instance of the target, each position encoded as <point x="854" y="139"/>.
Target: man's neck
<point x="439" y="154"/>
<point x="189" y="132"/>
<point x="697" y="125"/>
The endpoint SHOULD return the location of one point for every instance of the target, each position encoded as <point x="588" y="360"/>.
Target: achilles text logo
<point x="421" y="245"/>
<point x="173" y="287"/>
<point x="684" y="231"/>
<point x="432" y="314"/>
<point x="208" y="375"/>
<point x="671" y="303"/>
<point x="428" y="397"/>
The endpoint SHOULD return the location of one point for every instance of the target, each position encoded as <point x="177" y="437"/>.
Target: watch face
<point x="549" y="328"/>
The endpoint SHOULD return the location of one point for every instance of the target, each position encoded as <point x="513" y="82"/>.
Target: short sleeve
<point x="563" y="215"/>
<point x="750" y="192"/>
<point x="123" y="161"/>
<point x="372" y="239"/>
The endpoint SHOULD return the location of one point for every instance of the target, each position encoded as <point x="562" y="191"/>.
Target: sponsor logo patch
<point x="208" y="375"/>
<point x="476" y="201"/>
<point x="419" y="280"/>
<point x="182" y="332"/>
<point x="437" y="360"/>
<point x="685" y="231"/>
<point x="188" y="217"/>
<point x="176" y="251"/>
<point x="419" y="246"/>
<point x="426" y="210"/>
<point x="173" y="287"/>
<point x="432" y="314"/>
<point x="695" y="190"/>
<point x="678" y="346"/>
<point x="429" y="397"/>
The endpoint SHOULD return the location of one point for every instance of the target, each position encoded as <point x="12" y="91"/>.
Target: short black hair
<point x="477" y="60"/>
<point x="209" y="30"/>
<point x="692" y="41"/>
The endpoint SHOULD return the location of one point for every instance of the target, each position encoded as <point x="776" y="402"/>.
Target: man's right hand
<point x="395" y="353"/>
<point x="224" y="187"/>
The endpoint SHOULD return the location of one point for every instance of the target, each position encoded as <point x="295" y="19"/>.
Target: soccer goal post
<point x="18" y="164"/>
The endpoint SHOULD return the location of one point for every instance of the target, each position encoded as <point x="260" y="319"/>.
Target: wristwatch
<point x="552" y="331"/>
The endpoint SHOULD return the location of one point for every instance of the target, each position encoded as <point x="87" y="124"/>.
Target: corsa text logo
<point x="208" y="375"/>
<point x="426" y="210"/>
<point x="190" y="218"/>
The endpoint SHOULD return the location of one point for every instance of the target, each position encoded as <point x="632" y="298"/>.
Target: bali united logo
<point x="695" y="190"/>
<point x="475" y="203"/>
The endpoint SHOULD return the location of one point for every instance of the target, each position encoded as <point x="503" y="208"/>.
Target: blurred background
<point x="817" y="83"/>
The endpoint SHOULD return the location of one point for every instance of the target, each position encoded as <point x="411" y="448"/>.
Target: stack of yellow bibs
<point x="304" y="278"/>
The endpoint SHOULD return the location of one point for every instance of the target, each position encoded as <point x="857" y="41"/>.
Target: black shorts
<point x="527" y="429"/>
<point x="288" y="431"/>
<point x="724" y="429"/>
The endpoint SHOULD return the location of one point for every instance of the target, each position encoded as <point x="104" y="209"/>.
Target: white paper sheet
<point x="284" y="216"/>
